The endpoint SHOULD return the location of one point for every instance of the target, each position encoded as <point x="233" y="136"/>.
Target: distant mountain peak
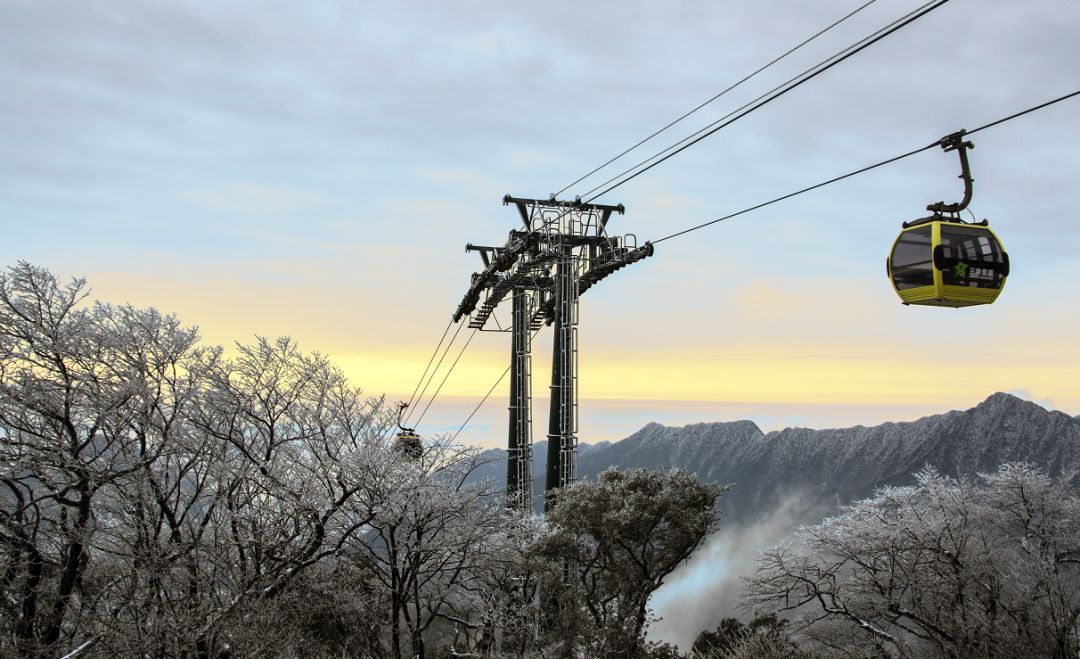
<point x="842" y="464"/>
<point x="1002" y="398"/>
<point x="1009" y="404"/>
<point x="833" y="466"/>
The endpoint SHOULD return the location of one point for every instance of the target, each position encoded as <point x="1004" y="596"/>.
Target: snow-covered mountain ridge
<point x="826" y="468"/>
<point x="839" y="465"/>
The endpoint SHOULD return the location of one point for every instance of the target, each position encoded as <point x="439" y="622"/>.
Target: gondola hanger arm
<point x="956" y="142"/>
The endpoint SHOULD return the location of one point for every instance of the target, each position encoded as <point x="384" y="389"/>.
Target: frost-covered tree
<point x="945" y="568"/>
<point x="162" y="498"/>
<point x="90" y="398"/>
<point x="765" y="637"/>
<point x="429" y="535"/>
<point x="620" y="537"/>
<point x="278" y="438"/>
<point x="504" y="597"/>
<point x="154" y="495"/>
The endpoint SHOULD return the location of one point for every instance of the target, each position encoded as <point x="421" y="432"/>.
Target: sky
<point x="316" y="169"/>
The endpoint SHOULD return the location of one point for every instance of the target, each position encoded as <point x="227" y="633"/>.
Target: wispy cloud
<point x="706" y="588"/>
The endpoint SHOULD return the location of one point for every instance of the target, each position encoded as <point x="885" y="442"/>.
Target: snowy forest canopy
<point x="163" y="498"/>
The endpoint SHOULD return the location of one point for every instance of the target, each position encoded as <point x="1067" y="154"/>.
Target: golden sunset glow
<point x="760" y="361"/>
<point x="764" y="377"/>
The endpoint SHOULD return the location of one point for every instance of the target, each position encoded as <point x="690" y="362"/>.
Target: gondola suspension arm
<point x="956" y="142"/>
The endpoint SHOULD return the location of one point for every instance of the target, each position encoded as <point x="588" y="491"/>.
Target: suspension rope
<point x="480" y="404"/>
<point x="487" y="395"/>
<point x="762" y="100"/>
<point x="433" y="372"/>
<point x="432" y="359"/>
<point x="447" y="376"/>
<point x="864" y="169"/>
<point x="1023" y="112"/>
<point x="717" y="96"/>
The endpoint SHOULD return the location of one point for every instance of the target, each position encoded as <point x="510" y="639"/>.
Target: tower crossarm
<point x="497" y="261"/>
<point x="526" y="275"/>
<point x="602" y="266"/>
<point x="527" y="208"/>
<point x="606" y="267"/>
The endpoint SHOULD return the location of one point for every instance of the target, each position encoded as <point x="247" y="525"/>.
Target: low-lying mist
<point x="706" y="588"/>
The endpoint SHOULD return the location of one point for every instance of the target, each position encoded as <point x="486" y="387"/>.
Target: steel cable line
<point x="421" y="380"/>
<point x="865" y="169"/>
<point x="486" y="396"/>
<point x="431" y="377"/>
<point x="722" y="93"/>
<point x="762" y="100"/>
<point x="799" y="192"/>
<point x="480" y="404"/>
<point x="447" y="376"/>
<point x="432" y="359"/>
<point x="446" y="351"/>
<point x="1023" y="112"/>
<point x="768" y="97"/>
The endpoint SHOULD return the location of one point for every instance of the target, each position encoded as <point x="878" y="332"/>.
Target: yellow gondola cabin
<point x="945" y="262"/>
<point x="942" y="261"/>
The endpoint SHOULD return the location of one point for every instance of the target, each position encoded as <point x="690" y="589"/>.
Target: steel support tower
<point x="562" y="250"/>
<point x="519" y="444"/>
<point x="562" y="420"/>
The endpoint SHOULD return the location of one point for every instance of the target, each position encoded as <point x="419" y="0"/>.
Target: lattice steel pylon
<point x="562" y="421"/>
<point x="563" y="250"/>
<point x="519" y="443"/>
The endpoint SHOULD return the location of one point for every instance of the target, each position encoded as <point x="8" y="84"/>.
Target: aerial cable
<point x="1022" y="112"/>
<point x="864" y="169"/>
<point x="431" y="377"/>
<point x="768" y="97"/>
<point x="717" y="96"/>
<point x="413" y="397"/>
<point x="763" y="100"/>
<point x="486" y="396"/>
<point x="480" y="404"/>
<point x="447" y="376"/>
<point x="432" y="359"/>
<point x="799" y="192"/>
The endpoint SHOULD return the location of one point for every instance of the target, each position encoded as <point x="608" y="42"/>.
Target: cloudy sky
<point x="315" y="170"/>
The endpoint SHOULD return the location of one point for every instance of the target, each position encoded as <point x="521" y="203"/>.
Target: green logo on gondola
<point x="960" y="270"/>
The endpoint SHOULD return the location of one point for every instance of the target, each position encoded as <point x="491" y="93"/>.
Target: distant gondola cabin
<point x="945" y="262"/>
<point x="409" y="444"/>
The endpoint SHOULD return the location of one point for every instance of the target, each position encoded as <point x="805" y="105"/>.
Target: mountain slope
<point x="797" y="476"/>
<point x="835" y="466"/>
<point x="840" y="465"/>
